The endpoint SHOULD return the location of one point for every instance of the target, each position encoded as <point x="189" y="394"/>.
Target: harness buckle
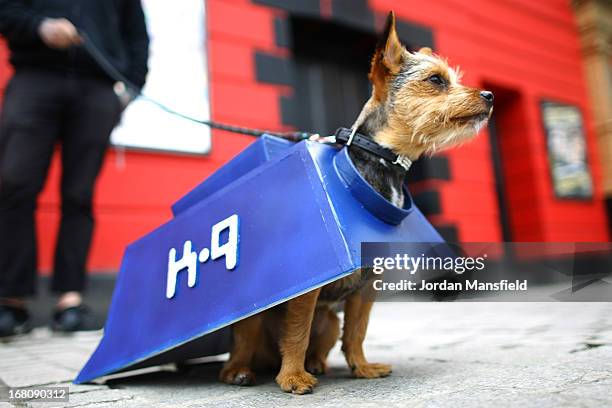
<point x="403" y="161"/>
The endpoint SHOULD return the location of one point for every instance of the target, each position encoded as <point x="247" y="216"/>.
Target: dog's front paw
<point x="316" y="366"/>
<point x="237" y="376"/>
<point x="296" y="382"/>
<point x="371" y="370"/>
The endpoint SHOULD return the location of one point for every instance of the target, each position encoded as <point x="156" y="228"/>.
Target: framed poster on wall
<point x="567" y="153"/>
<point x="178" y="78"/>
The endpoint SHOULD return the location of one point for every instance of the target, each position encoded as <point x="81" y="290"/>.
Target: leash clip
<point x="351" y="137"/>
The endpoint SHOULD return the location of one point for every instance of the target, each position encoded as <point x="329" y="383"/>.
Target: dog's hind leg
<point x="356" y="316"/>
<point x="324" y="334"/>
<point x="294" y="343"/>
<point x="247" y="335"/>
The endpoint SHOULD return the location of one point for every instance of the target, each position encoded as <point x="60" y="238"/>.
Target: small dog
<point x="418" y="106"/>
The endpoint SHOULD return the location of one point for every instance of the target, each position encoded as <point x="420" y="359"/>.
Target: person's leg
<point x="28" y="131"/>
<point x="93" y="113"/>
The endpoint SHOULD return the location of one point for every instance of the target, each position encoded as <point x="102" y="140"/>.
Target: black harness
<point x="349" y="137"/>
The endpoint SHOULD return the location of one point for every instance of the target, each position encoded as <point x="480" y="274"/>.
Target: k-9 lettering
<point x="190" y="258"/>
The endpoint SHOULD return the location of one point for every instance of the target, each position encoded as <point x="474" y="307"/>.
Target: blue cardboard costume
<point x="277" y="221"/>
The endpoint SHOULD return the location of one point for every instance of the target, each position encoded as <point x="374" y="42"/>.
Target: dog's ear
<point x="387" y="59"/>
<point x="426" y="51"/>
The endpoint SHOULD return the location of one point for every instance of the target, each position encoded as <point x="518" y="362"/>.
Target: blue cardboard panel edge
<point x="270" y="229"/>
<point x="256" y="154"/>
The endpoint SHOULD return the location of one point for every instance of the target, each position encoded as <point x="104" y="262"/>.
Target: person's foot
<point x="14" y="320"/>
<point x="72" y="319"/>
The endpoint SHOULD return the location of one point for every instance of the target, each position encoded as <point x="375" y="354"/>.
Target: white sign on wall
<point x="178" y="78"/>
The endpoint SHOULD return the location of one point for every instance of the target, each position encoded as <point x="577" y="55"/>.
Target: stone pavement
<point x="443" y="354"/>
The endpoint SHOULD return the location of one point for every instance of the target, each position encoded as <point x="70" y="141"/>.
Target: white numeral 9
<point x="230" y="248"/>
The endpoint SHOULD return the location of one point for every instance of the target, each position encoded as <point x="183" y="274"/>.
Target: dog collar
<point x="350" y="137"/>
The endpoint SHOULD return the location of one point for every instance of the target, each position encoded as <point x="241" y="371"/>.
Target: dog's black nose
<point x="487" y="96"/>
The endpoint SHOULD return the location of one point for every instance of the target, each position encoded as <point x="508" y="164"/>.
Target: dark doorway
<point x="503" y="125"/>
<point x="332" y="63"/>
<point x="498" y="171"/>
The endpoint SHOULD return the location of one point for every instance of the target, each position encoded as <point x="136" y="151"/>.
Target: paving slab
<point x="443" y="354"/>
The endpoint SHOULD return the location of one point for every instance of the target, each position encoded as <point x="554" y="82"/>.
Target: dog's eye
<point x="436" y="79"/>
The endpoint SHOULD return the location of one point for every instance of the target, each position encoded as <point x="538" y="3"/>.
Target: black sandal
<point x="73" y="319"/>
<point x="14" y="321"/>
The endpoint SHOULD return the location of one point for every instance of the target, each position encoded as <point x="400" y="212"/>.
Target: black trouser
<point x="40" y="109"/>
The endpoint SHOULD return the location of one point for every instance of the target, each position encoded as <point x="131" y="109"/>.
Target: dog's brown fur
<point x="417" y="106"/>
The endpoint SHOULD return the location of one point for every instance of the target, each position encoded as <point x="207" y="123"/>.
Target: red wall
<point x="529" y="47"/>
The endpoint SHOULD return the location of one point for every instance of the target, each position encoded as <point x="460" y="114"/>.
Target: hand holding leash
<point x="59" y="33"/>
